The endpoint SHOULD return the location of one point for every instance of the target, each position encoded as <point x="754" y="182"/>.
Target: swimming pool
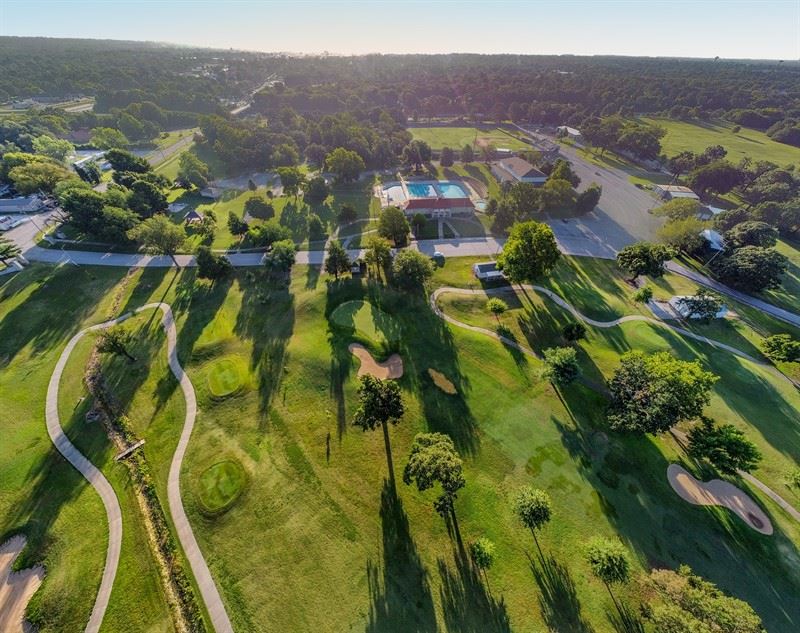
<point x="451" y="190"/>
<point x="421" y="190"/>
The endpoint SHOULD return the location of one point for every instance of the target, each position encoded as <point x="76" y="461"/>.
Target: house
<point x="671" y="192"/>
<point x="715" y="241"/>
<point x="708" y="213"/>
<point x="487" y="271"/>
<point x="21" y="204"/>
<point x="517" y="170"/>
<point x="193" y="217"/>
<point x="438" y="207"/>
<point x="211" y="192"/>
<point x="570" y="133"/>
<point x="682" y="307"/>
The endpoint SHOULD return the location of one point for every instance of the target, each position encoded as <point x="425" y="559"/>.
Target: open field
<point x="42" y="496"/>
<point x="457" y="137"/>
<point x="695" y="136"/>
<point x="346" y="551"/>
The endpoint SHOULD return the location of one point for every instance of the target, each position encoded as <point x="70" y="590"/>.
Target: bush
<point x="643" y="295"/>
<point x="411" y="269"/>
<point x="574" y="331"/>
<point x="267" y="233"/>
<point x="562" y="365"/>
<point x="258" y="208"/>
<point x="781" y="348"/>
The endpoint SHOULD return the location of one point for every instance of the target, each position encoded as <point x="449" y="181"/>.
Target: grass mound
<point x="226" y="377"/>
<point x="220" y="486"/>
<point x="367" y="321"/>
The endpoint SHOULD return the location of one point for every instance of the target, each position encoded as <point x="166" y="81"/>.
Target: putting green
<point x="367" y="320"/>
<point x="221" y="485"/>
<point x="226" y="376"/>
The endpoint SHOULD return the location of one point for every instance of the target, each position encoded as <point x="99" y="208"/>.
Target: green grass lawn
<point x="318" y="520"/>
<point x="696" y="136"/>
<point x="788" y="295"/>
<point x="41" y="495"/>
<point x="457" y="137"/>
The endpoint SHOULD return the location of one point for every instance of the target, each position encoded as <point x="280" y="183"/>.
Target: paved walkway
<point x="205" y="583"/>
<point x="92" y="475"/>
<point x="790" y="510"/>
<point x="208" y="590"/>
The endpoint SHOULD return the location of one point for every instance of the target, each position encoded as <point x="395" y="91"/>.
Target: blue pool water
<point x="421" y="190"/>
<point x="442" y="188"/>
<point x="451" y="190"/>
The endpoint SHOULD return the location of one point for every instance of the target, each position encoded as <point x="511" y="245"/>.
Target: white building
<point x="517" y="170"/>
<point x="570" y="133"/>
<point x="21" y="204"/>
<point x="487" y="271"/>
<point x="671" y="192"/>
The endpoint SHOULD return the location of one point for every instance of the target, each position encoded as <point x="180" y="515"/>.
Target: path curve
<point x="92" y="475"/>
<point x="789" y="508"/>
<point x="208" y="589"/>
<point x="558" y="300"/>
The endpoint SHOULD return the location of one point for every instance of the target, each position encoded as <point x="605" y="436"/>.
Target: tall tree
<point x="530" y="252"/>
<point x="534" y="509"/>
<point x="482" y="553"/>
<point x="467" y="154"/>
<point x="651" y="393"/>
<point x="291" y="180"/>
<point x="416" y="154"/>
<point x="750" y="268"/>
<point x="411" y="269"/>
<point x="725" y="446"/>
<point x="378" y="253"/>
<point x="434" y="460"/>
<point x="609" y="562"/>
<point x="644" y="258"/>
<point x="159" y="236"/>
<point x="379" y="403"/>
<point x="393" y="225"/>
<point x="338" y="262"/>
<point x="346" y="164"/>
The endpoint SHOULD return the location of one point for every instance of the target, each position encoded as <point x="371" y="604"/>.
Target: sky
<point x="762" y="29"/>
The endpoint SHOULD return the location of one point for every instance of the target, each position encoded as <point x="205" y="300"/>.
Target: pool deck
<point x="380" y="191"/>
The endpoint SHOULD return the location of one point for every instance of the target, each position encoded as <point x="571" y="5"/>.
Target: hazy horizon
<point x="733" y="29"/>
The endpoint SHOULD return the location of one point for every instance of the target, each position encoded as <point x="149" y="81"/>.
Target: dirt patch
<point x="392" y="367"/>
<point x="16" y="587"/>
<point x="718" y="493"/>
<point x="441" y="381"/>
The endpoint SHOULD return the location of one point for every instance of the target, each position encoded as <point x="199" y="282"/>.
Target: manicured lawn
<point x="696" y="136"/>
<point x="457" y="137"/>
<point x="42" y="496"/>
<point x="166" y="139"/>
<point x="318" y="519"/>
<point x="788" y="295"/>
<point x="309" y="519"/>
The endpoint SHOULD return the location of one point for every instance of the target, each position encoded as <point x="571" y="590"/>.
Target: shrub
<point x="643" y="295"/>
<point x="574" y="331"/>
<point x="562" y="365"/>
<point x="781" y="348"/>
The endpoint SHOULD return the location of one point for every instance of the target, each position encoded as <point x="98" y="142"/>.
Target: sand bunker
<point x="441" y="381"/>
<point x="16" y="587"/>
<point x="718" y="493"/>
<point x="392" y="367"/>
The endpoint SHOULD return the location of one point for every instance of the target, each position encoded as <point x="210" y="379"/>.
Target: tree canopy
<point x="529" y="253"/>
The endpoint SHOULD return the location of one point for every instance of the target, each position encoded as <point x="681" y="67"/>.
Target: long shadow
<point x="195" y="305"/>
<point x="266" y="318"/>
<point x="45" y="317"/>
<point x="626" y="620"/>
<point x="558" y="597"/>
<point x="628" y="474"/>
<point x="312" y="276"/>
<point x="400" y="600"/>
<point x="467" y="604"/>
<point x="294" y="217"/>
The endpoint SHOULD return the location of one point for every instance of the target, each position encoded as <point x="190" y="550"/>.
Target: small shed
<point x="487" y="271"/>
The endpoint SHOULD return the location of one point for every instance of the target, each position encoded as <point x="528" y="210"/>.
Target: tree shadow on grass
<point x="401" y="600"/>
<point x="61" y="299"/>
<point x="626" y="620"/>
<point x="558" y="596"/>
<point x="467" y="604"/>
<point x="266" y="318"/>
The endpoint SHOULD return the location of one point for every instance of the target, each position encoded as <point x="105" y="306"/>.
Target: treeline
<point x="544" y="89"/>
<point x="376" y="135"/>
<point x="120" y="73"/>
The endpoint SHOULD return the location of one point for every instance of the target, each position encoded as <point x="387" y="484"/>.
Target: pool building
<point x="431" y="198"/>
